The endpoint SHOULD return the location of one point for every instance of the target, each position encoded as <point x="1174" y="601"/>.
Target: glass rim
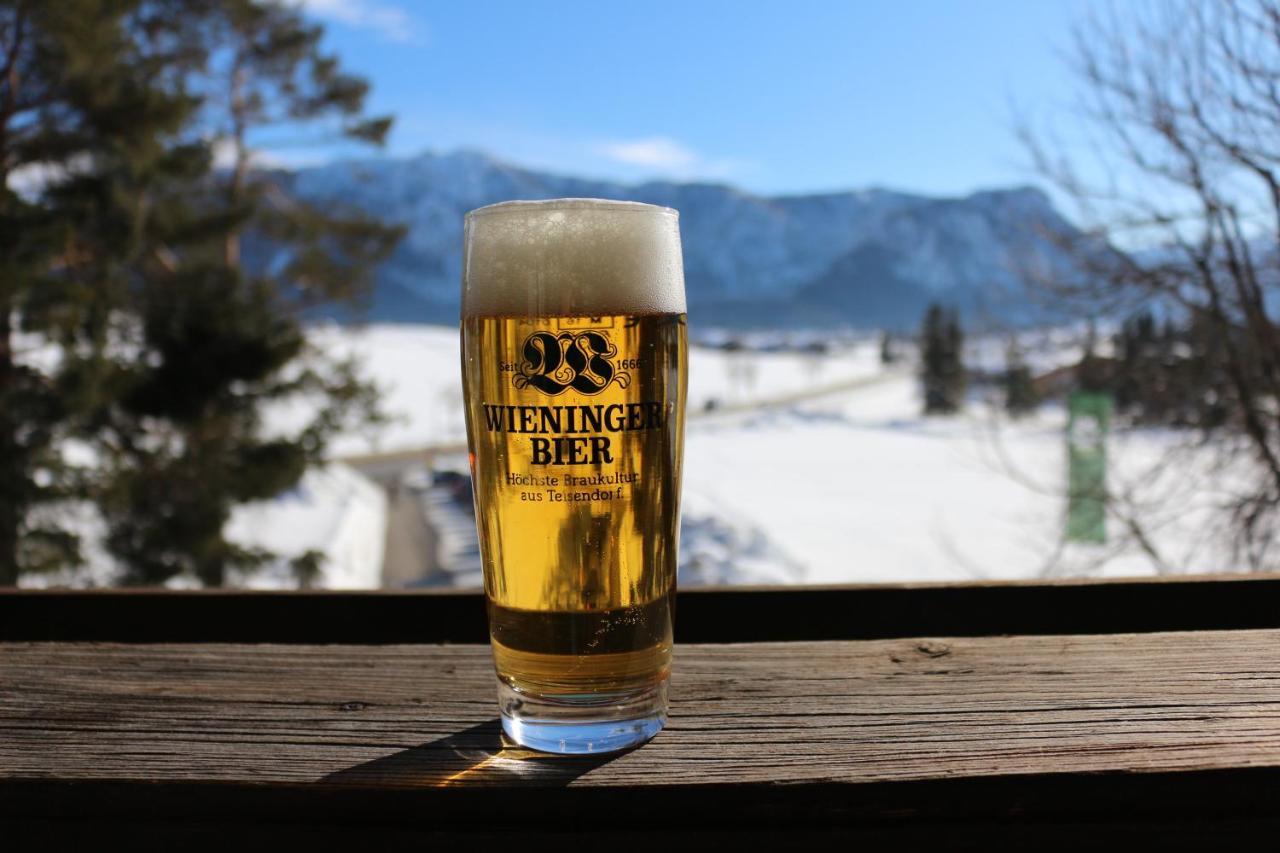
<point x="572" y="204"/>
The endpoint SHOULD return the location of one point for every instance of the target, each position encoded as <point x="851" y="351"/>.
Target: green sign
<point x="1088" y="422"/>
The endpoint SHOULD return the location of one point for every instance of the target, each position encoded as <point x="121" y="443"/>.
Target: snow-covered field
<point x="800" y="467"/>
<point x="418" y="369"/>
<point x="853" y="485"/>
<point x="858" y="487"/>
<point x="333" y="510"/>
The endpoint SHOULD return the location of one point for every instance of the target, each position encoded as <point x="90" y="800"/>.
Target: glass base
<point x="588" y="725"/>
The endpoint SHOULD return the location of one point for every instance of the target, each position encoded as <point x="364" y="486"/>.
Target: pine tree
<point x="81" y="107"/>
<point x="957" y="378"/>
<point x="1129" y="351"/>
<point x="1206" y="375"/>
<point x="887" y="353"/>
<point x="942" y="361"/>
<point x="29" y="411"/>
<point x="220" y="331"/>
<point x="1020" y="396"/>
<point x="1174" y="372"/>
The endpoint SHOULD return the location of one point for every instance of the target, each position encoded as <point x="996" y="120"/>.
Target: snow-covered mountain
<point x="864" y="258"/>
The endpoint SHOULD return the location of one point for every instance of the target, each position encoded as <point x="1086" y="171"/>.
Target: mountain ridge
<point x="871" y="257"/>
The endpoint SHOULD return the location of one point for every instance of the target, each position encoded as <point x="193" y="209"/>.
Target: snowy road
<point x="410" y="555"/>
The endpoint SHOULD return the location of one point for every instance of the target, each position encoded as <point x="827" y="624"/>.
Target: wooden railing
<point x="1045" y="715"/>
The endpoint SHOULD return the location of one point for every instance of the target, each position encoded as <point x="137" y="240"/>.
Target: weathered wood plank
<point x="1031" y="741"/>
<point x="722" y="615"/>
<point x="814" y="713"/>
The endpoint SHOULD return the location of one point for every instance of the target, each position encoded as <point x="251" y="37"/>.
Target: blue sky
<point x="776" y="97"/>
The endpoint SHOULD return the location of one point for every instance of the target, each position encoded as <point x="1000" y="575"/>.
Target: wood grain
<point x="1138" y="730"/>
<point x="843" y="712"/>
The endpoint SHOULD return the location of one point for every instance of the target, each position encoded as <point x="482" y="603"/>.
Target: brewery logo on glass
<point x="584" y="362"/>
<point x="554" y="363"/>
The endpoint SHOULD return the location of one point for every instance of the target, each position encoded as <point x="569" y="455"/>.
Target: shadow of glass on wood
<point x="474" y="757"/>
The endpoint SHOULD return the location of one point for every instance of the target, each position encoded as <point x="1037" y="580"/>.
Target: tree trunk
<point x="10" y="481"/>
<point x="240" y="170"/>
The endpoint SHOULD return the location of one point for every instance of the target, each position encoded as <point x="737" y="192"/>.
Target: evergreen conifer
<point x="942" y="361"/>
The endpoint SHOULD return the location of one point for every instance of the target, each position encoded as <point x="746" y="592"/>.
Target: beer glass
<point x="574" y="366"/>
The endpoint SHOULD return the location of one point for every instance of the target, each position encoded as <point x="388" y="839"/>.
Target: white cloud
<point x="223" y="150"/>
<point x="655" y="152"/>
<point x="391" y="22"/>
<point x="668" y="158"/>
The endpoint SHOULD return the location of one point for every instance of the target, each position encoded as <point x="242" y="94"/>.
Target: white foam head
<point x="572" y="257"/>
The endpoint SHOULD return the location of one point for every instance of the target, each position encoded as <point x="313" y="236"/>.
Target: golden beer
<point x="574" y="355"/>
